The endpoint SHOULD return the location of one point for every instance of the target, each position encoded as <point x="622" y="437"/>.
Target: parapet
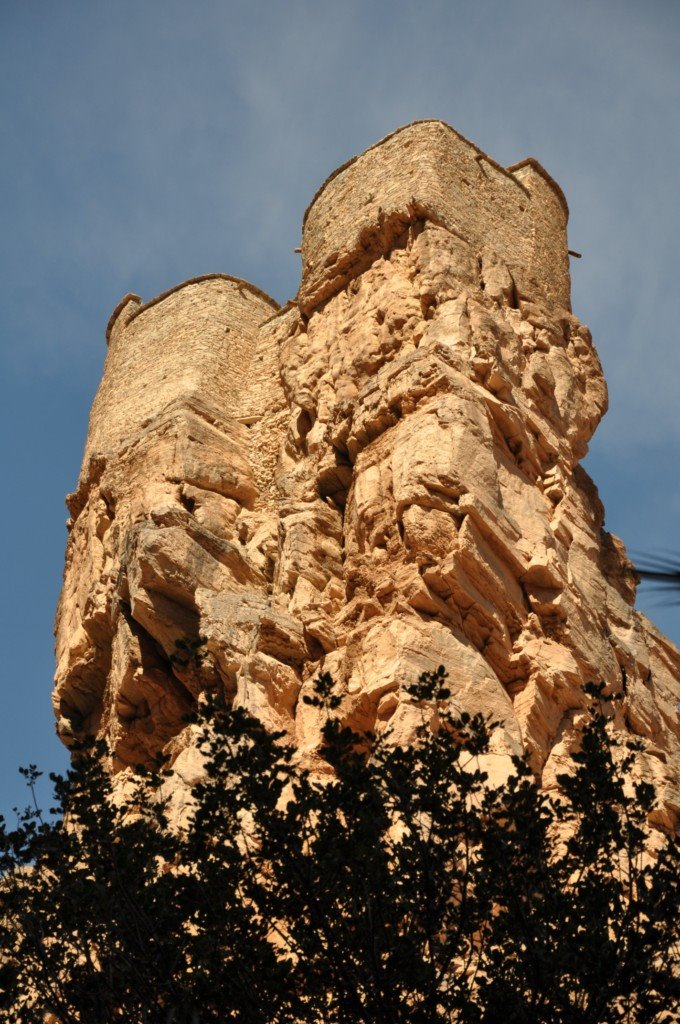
<point x="428" y="170"/>
<point x="194" y="342"/>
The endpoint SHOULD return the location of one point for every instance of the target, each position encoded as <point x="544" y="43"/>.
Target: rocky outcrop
<point x="380" y="478"/>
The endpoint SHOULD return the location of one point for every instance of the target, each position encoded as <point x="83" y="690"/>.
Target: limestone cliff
<point x="379" y="478"/>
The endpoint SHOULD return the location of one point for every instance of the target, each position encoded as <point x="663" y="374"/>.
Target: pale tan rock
<point x="378" y="479"/>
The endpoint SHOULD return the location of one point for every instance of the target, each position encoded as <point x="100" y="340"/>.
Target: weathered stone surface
<point x="381" y="478"/>
<point x="427" y="170"/>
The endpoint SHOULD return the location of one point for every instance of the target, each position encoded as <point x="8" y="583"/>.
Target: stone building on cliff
<point x="378" y="478"/>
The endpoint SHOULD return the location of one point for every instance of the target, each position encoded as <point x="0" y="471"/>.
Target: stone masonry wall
<point x="428" y="169"/>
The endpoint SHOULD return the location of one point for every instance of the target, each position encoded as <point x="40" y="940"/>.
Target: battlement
<point x="428" y="170"/>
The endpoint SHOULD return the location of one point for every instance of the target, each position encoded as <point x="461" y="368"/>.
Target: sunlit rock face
<point x="377" y="479"/>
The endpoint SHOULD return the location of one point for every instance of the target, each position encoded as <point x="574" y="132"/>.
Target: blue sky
<point x="146" y="142"/>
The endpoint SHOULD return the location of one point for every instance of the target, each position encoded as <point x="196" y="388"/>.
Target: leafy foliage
<point x="400" y="886"/>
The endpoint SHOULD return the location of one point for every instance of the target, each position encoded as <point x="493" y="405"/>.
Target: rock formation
<point x="381" y="477"/>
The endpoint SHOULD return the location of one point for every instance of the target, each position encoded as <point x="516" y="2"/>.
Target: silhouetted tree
<point x="399" y="887"/>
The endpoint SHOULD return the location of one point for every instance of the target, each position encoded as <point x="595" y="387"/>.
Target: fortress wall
<point x="264" y="389"/>
<point x="550" y="213"/>
<point x="428" y="169"/>
<point x="193" y="343"/>
<point x="265" y="408"/>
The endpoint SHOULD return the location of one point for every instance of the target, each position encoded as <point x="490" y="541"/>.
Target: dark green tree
<point x="398" y="887"/>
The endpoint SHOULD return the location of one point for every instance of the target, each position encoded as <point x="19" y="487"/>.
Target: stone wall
<point x="193" y="342"/>
<point x="428" y="170"/>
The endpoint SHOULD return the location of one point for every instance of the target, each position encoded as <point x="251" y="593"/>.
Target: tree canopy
<point x="400" y="886"/>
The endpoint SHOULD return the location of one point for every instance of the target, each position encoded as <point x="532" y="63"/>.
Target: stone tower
<point x="381" y="477"/>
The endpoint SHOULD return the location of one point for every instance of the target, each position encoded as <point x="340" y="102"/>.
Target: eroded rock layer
<point x="380" y="478"/>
